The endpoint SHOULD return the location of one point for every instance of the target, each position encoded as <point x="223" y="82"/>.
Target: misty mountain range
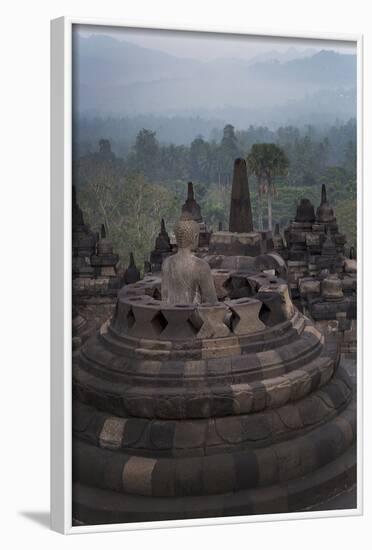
<point x="118" y="78"/>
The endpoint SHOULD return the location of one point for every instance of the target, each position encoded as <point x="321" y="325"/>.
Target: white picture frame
<point x="61" y="303"/>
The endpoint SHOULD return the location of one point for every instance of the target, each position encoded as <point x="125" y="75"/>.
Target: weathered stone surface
<point x="111" y="436"/>
<point x="309" y="286"/>
<point x="271" y="261"/>
<point x="212" y="321"/>
<point x="305" y="212"/>
<point x="240" y="207"/>
<point x="220" y="277"/>
<point x="245" y="318"/>
<point x="350" y="266"/>
<point x="236" y="244"/>
<point x="179" y="323"/>
<point x="332" y="288"/>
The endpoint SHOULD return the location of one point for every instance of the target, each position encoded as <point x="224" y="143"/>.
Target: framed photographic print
<point x="206" y="239"/>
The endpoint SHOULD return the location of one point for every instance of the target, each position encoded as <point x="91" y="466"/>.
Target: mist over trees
<point x="131" y="193"/>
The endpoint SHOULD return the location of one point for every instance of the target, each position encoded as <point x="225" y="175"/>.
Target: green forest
<point x="132" y="191"/>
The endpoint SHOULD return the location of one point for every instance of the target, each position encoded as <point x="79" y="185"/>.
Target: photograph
<point x="215" y="253"/>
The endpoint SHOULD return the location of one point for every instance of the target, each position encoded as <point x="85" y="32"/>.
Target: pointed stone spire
<point x="191" y="206"/>
<point x="162" y="248"/>
<point x="131" y="274"/>
<point x="219" y="226"/>
<point x="277" y="229"/>
<point x="103" y="231"/>
<point x="240" y="206"/>
<point x="324" y="212"/>
<point x="162" y="242"/>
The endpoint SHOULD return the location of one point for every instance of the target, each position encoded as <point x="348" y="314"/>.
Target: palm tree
<point x="267" y="161"/>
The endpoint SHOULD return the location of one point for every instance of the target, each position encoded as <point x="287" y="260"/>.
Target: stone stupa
<point x="95" y="277"/>
<point x="208" y="408"/>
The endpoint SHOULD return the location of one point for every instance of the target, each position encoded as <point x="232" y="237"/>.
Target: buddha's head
<point x="187" y="232"/>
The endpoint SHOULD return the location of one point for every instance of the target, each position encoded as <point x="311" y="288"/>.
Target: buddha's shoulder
<point x="201" y="264"/>
<point x="167" y="262"/>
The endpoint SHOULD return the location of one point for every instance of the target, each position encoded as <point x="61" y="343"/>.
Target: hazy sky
<point x="208" y="46"/>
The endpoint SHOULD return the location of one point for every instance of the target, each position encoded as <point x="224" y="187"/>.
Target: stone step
<point x="205" y="397"/>
<point x="152" y="437"/>
<point x="217" y="473"/>
<point x="92" y="506"/>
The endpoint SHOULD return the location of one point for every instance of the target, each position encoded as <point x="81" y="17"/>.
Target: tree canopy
<point x="267" y="161"/>
<point x="132" y="191"/>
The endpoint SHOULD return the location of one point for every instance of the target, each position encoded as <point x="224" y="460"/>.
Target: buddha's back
<point x="187" y="279"/>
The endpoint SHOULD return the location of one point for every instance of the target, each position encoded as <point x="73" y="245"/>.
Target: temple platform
<point x="199" y="410"/>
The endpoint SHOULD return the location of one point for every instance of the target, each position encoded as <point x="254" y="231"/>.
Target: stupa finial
<point x="103" y="231"/>
<point x="191" y="205"/>
<point x="324" y="213"/>
<point x="131" y="274"/>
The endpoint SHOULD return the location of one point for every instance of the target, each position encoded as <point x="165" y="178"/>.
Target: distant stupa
<point x="191" y="205"/>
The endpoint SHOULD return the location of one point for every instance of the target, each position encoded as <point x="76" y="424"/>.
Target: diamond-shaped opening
<point x="192" y="326"/>
<point x="233" y="321"/>
<point x="130" y="318"/>
<point x="265" y="314"/>
<point x="159" y="322"/>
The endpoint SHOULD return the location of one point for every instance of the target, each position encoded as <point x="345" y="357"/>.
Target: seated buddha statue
<point x="187" y="279"/>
